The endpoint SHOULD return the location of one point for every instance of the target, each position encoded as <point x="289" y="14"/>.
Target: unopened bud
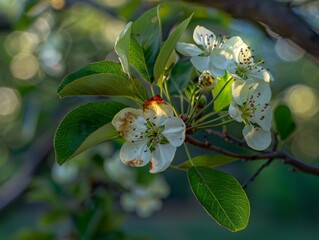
<point x="206" y="81"/>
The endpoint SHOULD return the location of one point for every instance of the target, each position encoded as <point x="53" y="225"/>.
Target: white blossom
<point x="152" y="134"/>
<point x="252" y="107"/>
<point x="212" y="53"/>
<point x="244" y="67"/>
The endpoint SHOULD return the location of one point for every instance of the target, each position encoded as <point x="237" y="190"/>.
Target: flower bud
<point x="206" y="81"/>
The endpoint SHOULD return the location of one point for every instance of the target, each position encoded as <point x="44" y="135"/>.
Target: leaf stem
<point x="214" y="99"/>
<point x="188" y="153"/>
<point x="204" y="125"/>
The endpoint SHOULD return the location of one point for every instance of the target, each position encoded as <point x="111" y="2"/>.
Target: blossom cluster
<point x="250" y="89"/>
<point x="143" y="199"/>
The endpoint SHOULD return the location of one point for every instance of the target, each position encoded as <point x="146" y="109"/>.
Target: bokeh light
<point x="10" y="103"/>
<point x="305" y="145"/>
<point x="20" y="42"/>
<point x="24" y="66"/>
<point x="302" y="100"/>
<point x="287" y="50"/>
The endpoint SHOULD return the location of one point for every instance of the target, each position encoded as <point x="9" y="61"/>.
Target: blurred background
<point x="42" y="41"/>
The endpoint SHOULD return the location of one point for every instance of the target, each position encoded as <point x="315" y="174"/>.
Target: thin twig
<point x="262" y="167"/>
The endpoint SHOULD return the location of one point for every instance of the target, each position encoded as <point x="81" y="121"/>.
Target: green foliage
<point x="84" y="127"/>
<point x="285" y="123"/>
<point x="222" y="197"/>
<point x="208" y="160"/>
<point x="101" y="78"/>
<point x="222" y="91"/>
<point x="181" y="74"/>
<point x="32" y="234"/>
<point x="137" y="59"/>
<point x="148" y="33"/>
<point x="167" y="50"/>
<point x="122" y="47"/>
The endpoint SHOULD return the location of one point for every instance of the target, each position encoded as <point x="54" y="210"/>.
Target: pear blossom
<point x="212" y="53"/>
<point x="144" y="200"/>
<point x="243" y="66"/>
<point x="252" y="108"/>
<point x="152" y="134"/>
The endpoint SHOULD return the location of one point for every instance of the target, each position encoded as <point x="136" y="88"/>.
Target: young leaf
<point x="84" y="127"/>
<point x="207" y="161"/>
<point x="285" y="123"/>
<point x="168" y="48"/>
<point x="225" y="96"/>
<point x="137" y="60"/>
<point x="122" y="47"/>
<point x="101" y="78"/>
<point x="221" y="196"/>
<point x="148" y="33"/>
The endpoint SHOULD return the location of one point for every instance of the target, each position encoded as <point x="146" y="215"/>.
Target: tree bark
<point x="277" y="16"/>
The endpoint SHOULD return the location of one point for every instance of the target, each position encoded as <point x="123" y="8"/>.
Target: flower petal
<point x="263" y="117"/>
<point x="257" y="138"/>
<point x="130" y="123"/>
<point x="235" y="112"/>
<point x="200" y="32"/>
<point x="261" y="93"/>
<point x="188" y="49"/>
<point x="201" y="63"/>
<point x="135" y="154"/>
<point x="260" y="74"/>
<point x="235" y="43"/>
<point x="220" y="59"/>
<point x="157" y="110"/>
<point x="240" y="91"/>
<point x="162" y="157"/>
<point x="174" y="131"/>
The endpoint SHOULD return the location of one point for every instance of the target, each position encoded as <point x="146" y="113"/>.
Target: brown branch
<point x="278" y="16"/>
<point x="287" y="159"/>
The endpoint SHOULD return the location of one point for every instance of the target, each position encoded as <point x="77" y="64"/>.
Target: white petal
<point x="260" y="74"/>
<point x="135" y="154"/>
<point x="257" y="138"/>
<point x="263" y="117"/>
<point x="188" y="49"/>
<point x="130" y="123"/>
<point x="216" y="71"/>
<point x="240" y="91"/>
<point x="200" y="32"/>
<point x="220" y="59"/>
<point x="162" y="157"/>
<point x="157" y="110"/>
<point x="201" y="63"/>
<point x="234" y="43"/>
<point x="174" y="131"/>
<point x="261" y="93"/>
<point x="235" y="112"/>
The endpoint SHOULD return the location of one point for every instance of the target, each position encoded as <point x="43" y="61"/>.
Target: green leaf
<point x="181" y="74"/>
<point x="168" y="48"/>
<point x="101" y="78"/>
<point x="27" y="234"/>
<point x="225" y="97"/>
<point x="285" y="123"/>
<point x="137" y="59"/>
<point x="84" y="127"/>
<point x="221" y="196"/>
<point x="122" y="47"/>
<point x="207" y="161"/>
<point x="148" y="33"/>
